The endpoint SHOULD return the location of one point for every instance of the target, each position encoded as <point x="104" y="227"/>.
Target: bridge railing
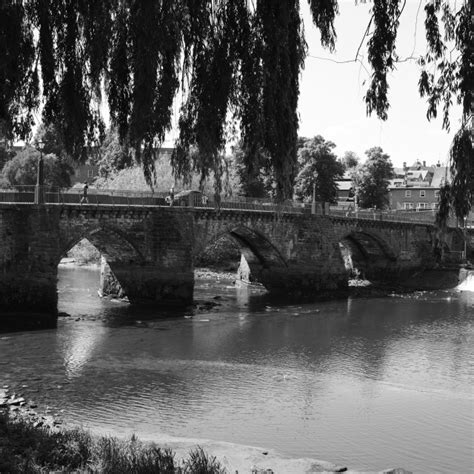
<point x="26" y="194"/>
<point x="54" y="195"/>
<point x="427" y="216"/>
<point x="250" y="204"/>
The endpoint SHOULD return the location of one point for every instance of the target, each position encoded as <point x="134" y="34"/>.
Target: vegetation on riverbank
<point x="28" y="449"/>
<point x="84" y="253"/>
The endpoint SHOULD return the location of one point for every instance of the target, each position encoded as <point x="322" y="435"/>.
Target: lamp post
<point x="313" y="202"/>
<point x="39" y="188"/>
<point x="465" y="239"/>
<point x="356" y="201"/>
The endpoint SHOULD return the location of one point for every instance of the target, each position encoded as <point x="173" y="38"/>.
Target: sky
<point x="332" y="103"/>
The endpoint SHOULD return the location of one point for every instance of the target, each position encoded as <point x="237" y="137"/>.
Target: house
<point x="345" y="193"/>
<point x="413" y="197"/>
<point x="420" y="187"/>
<point x="85" y="172"/>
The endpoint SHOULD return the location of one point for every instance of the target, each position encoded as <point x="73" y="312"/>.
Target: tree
<point x="22" y="169"/>
<point x="318" y="168"/>
<point x="349" y="160"/>
<point x="237" y="62"/>
<point x="254" y="176"/>
<point x="5" y="154"/>
<point x="51" y="140"/>
<point x="112" y="156"/>
<point x="371" y="179"/>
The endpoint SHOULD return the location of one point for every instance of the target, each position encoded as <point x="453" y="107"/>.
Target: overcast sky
<point x="331" y="95"/>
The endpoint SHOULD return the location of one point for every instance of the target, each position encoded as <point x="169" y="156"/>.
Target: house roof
<point x="399" y="171"/>
<point x="344" y="185"/>
<point x="440" y="176"/>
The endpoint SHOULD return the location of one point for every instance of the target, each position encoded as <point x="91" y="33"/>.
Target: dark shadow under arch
<point x="366" y="255"/>
<point x="252" y="253"/>
<point x="112" y="244"/>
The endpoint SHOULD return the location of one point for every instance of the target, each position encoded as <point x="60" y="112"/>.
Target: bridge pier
<point x="295" y="281"/>
<point x="28" y="300"/>
<point x="28" y="268"/>
<point x="303" y="283"/>
<point x="146" y="284"/>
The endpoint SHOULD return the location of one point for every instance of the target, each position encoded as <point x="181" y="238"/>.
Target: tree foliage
<point x="5" y="153"/>
<point x="22" y="169"/>
<point x="447" y="74"/>
<point x="349" y="160"/>
<point x="112" y="155"/>
<point x="371" y="179"/>
<point x="253" y="181"/>
<point x="236" y="63"/>
<point x="318" y="167"/>
<point x="50" y="139"/>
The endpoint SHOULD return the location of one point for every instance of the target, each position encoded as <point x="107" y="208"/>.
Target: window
<point x="407" y="205"/>
<point x="437" y="193"/>
<point x="421" y="205"/>
<point x="90" y="173"/>
<point x="422" y="193"/>
<point x="407" y="194"/>
<point x="434" y="205"/>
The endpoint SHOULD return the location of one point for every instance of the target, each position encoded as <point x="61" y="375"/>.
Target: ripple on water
<point x="370" y="383"/>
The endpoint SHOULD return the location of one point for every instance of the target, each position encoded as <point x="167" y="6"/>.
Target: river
<point x="369" y="383"/>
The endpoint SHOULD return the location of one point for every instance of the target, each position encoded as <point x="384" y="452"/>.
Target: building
<point x="419" y="187"/>
<point x="85" y="172"/>
<point x="345" y="194"/>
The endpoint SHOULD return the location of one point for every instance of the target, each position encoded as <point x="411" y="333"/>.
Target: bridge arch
<point x="112" y="243"/>
<point x="118" y="255"/>
<point x="257" y="252"/>
<point x="366" y="255"/>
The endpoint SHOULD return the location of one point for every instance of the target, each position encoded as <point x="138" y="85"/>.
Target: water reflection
<point x="78" y="346"/>
<point x="370" y="383"/>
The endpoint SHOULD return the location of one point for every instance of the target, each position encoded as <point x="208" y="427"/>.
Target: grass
<point x="25" y="449"/>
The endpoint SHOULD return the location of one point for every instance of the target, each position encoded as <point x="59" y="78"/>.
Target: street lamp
<point x="356" y="201"/>
<point x="465" y="238"/>
<point x="39" y="188"/>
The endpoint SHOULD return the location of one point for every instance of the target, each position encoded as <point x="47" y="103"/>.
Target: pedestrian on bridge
<point x="84" y="198"/>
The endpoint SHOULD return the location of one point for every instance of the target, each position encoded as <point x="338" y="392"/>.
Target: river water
<point x="369" y="383"/>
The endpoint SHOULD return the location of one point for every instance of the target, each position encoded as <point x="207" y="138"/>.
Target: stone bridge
<point x="151" y="250"/>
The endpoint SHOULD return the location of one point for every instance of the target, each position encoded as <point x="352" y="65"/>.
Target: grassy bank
<point x="28" y="449"/>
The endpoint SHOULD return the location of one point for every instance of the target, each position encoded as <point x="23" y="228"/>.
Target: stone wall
<point x="289" y="254"/>
<point x="151" y="250"/>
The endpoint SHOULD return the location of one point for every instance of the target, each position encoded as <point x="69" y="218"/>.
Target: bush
<point x="201" y="463"/>
<point x="28" y="450"/>
<point x="84" y="252"/>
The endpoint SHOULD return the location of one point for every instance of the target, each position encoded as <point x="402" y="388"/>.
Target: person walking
<point x="84" y="198"/>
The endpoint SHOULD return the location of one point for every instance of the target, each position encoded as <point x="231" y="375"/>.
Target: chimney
<point x="404" y="165"/>
<point x="424" y="163"/>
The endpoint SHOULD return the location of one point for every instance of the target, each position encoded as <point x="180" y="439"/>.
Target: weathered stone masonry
<point x="151" y="250"/>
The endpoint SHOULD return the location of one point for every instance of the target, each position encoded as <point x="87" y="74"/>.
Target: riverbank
<point x="34" y="442"/>
<point x="26" y="448"/>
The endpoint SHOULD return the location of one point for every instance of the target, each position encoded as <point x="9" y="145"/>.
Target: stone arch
<point x="113" y="244"/>
<point x="117" y="253"/>
<point x="366" y="254"/>
<point x="257" y="252"/>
